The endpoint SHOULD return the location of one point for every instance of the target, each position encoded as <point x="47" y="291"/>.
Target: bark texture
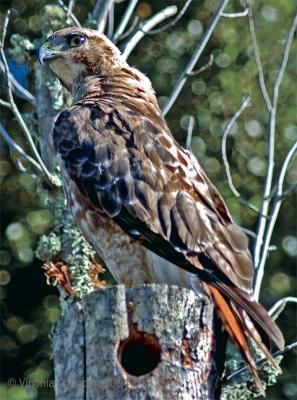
<point x="149" y="342"/>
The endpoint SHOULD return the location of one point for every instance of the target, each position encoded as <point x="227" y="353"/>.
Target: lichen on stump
<point x="149" y="342"/>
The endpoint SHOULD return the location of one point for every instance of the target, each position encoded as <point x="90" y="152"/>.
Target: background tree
<point x="251" y="64"/>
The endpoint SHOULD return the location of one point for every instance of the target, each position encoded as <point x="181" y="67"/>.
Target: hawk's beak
<point x="45" y="53"/>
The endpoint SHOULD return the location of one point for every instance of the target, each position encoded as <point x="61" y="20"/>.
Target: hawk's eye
<point x="75" y="40"/>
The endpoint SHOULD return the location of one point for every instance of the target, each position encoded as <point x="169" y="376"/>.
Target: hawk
<point x="138" y="197"/>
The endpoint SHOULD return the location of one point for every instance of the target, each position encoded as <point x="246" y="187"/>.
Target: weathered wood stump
<point x="149" y="342"/>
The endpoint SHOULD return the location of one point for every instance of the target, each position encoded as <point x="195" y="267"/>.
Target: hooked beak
<point x="45" y="53"/>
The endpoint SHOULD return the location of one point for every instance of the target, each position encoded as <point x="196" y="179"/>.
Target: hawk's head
<point x="75" y="52"/>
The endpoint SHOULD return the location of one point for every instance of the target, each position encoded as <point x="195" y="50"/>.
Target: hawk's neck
<point x="126" y="85"/>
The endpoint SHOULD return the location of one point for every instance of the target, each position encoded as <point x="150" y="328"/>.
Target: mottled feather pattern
<point x="130" y="186"/>
<point x="117" y="165"/>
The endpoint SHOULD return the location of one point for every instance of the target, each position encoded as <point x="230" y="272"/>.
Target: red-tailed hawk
<point x="139" y="198"/>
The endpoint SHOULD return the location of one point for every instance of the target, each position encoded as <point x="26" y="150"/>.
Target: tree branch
<point x="280" y="305"/>
<point x="14" y="108"/>
<point x="261" y="247"/>
<point x="69" y="13"/>
<point x="173" y="22"/>
<point x="236" y="15"/>
<point x="257" y="55"/>
<point x="248" y="232"/>
<point x="18" y="89"/>
<point x="5" y="104"/>
<point x="190" y="132"/>
<point x="110" y="20"/>
<point x="100" y="13"/>
<point x="278" y="199"/>
<point x="18" y="148"/>
<point x="125" y="19"/>
<point x="203" y="68"/>
<point x="290" y="189"/>
<point x="147" y="25"/>
<point x="131" y="29"/>
<point x="195" y="57"/>
<point x="246" y="103"/>
<point x="70" y="7"/>
<point x="260" y="362"/>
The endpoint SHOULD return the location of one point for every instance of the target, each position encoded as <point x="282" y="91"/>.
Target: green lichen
<point x="65" y="242"/>
<point x="243" y="386"/>
<point x="49" y="247"/>
<point x="20" y="48"/>
<point x="78" y="258"/>
<point x="60" y="98"/>
<point x="53" y="19"/>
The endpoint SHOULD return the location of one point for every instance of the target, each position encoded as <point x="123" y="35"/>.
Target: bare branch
<point x="278" y="198"/>
<point x="190" y="132"/>
<point x="124" y="22"/>
<point x="146" y="27"/>
<point x="261" y="247"/>
<point x="14" y="108"/>
<point x="257" y="56"/>
<point x="203" y="68"/>
<point x="100" y="14"/>
<point x="110" y="20"/>
<point x="18" y="148"/>
<point x="290" y="156"/>
<point x="284" y="63"/>
<point x="290" y="189"/>
<point x="5" y="104"/>
<point x="70" y="8"/>
<point x="260" y="362"/>
<point x="246" y="103"/>
<point x="22" y="168"/>
<point x="173" y="22"/>
<point x="195" y="57"/>
<point x="280" y="305"/>
<point x="236" y="15"/>
<point x="18" y="89"/>
<point x="99" y="6"/>
<point x="69" y="13"/>
<point x="248" y="232"/>
<point x="4" y="29"/>
<point x="131" y="29"/>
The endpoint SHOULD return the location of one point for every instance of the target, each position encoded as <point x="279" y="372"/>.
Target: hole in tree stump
<point x="140" y="353"/>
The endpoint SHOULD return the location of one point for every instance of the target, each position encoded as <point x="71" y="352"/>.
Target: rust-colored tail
<point x="239" y="321"/>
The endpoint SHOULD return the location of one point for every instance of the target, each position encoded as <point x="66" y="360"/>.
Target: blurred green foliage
<point x="28" y="306"/>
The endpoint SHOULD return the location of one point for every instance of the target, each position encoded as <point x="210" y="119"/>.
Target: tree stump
<point x="149" y="342"/>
